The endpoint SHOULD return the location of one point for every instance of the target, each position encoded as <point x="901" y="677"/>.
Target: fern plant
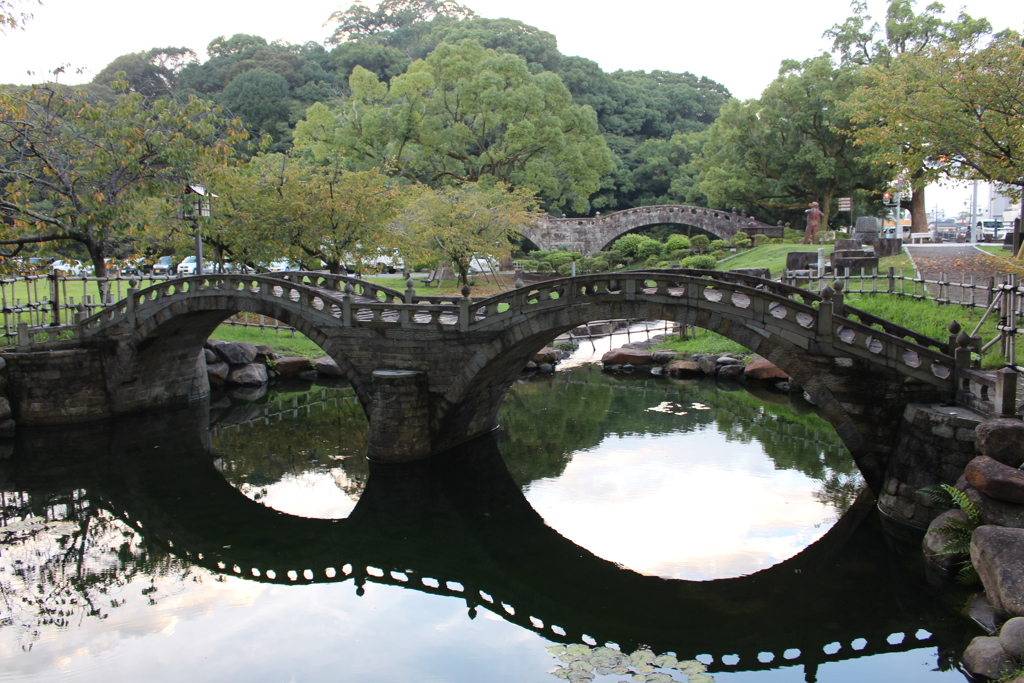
<point x="957" y="531"/>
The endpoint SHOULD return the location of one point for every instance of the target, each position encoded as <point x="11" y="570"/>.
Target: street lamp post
<point x="199" y="205"/>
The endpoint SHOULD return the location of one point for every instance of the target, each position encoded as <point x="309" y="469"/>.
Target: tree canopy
<point x="76" y="170"/>
<point x="278" y="205"/>
<point x="960" y="116"/>
<point x="466" y="114"/>
<point x="789" y="148"/>
<point x="459" y="223"/>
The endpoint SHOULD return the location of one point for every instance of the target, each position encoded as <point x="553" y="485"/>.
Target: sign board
<point x="846" y="203"/>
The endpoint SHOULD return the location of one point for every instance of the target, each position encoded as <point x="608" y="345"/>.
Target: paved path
<point x="961" y="263"/>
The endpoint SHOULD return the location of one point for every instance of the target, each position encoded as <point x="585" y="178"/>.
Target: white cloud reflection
<point x="683" y="505"/>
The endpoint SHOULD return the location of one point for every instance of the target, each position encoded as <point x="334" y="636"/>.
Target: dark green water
<point x="707" y="533"/>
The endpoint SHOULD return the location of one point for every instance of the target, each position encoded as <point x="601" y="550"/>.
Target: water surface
<point x="266" y="548"/>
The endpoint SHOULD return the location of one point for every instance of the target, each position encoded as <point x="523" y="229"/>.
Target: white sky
<point x="739" y="44"/>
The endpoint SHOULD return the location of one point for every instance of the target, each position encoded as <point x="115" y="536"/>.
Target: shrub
<point x="719" y="245"/>
<point x="636" y="247"/>
<point x="700" y="243"/>
<point x="677" y="242"/>
<point x="652" y="261"/>
<point x="557" y="259"/>
<point x="594" y="265"/>
<point x="679" y="254"/>
<point x="613" y="256"/>
<point x="530" y="266"/>
<point x="776" y="240"/>
<point x="719" y="254"/>
<point x="566" y="269"/>
<point x="741" y="240"/>
<point x="760" y="240"/>
<point x="702" y="261"/>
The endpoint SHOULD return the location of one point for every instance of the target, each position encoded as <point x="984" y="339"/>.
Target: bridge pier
<point x="399" y="417"/>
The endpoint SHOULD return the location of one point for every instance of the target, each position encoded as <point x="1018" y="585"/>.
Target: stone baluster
<point x="954" y="330"/>
<point x="410" y="291"/>
<point x="837" y="299"/>
<point x="130" y="302"/>
<point x="464" y="304"/>
<point x="1006" y="392"/>
<point x="825" y="312"/>
<point x="346" y="305"/>
<point x="962" y="354"/>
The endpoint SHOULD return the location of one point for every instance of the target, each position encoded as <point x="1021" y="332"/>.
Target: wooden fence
<point x="1002" y="296"/>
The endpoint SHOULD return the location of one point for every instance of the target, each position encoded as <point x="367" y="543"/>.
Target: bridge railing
<point x="799" y="316"/>
<point x="740" y="297"/>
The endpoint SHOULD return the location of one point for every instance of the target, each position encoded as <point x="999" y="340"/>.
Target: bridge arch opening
<point x="819" y="376"/>
<point x="164" y="350"/>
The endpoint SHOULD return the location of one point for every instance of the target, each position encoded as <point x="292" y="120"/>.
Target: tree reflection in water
<point x="90" y="517"/>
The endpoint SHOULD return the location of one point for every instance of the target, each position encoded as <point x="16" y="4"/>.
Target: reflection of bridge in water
<point x="458" y="526"/>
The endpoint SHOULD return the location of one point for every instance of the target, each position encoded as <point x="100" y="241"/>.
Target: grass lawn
<point x="770" y="256"/>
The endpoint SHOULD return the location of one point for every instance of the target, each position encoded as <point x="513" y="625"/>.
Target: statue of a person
<point x="814" y="215"/>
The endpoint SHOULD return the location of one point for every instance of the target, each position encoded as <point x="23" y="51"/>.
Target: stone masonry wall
<point x="936" y="443"/>
<point x="57" y="387"/>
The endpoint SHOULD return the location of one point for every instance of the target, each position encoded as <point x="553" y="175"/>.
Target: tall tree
<point x="90" y="172"/>
<point x="789" y="148"/>
<point x="960" y="116"/>
<point x="459" y="223"/>
<point x="860" y="42"/>
<point x="279" y="205"/>
<point x="467" y="114"/>
<point x="391" y="15"/>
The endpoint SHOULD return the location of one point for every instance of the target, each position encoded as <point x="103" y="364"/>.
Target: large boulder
<point x="546" y="355"/>
<point x="764" y="370"/>
<point x="934" y="540"/>
<point x="1001" y="439"/>
<point x="998" y="555"/>
<point x="683" y="368"/>
<point x="217" y="372"/>
<point x="249" y="375"/>
<point x="286" y="366"/>
<point x="995" y="479"/>
<point x="624" y="356"/>
<point x="236" y="353"/>
<point x="325" y="365"/>
<point x="708" y="364"/>
<point x="994" y="511"/>
<point x="663" y="356"/>
<point x="1011" y="637"/>
<point x="731" y="373"/>
<point x="986" y="657"/>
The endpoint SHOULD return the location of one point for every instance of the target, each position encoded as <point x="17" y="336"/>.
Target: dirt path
<point x="961" y="264"/>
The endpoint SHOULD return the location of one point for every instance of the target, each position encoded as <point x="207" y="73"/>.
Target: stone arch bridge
<point x="589" y="235"/>
<point x="431" y="372"/>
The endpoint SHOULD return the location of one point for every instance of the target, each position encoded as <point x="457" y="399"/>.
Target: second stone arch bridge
<point x="431" y="372"/>
<point x="458" y="526"/>
<point x="589" y="235"/>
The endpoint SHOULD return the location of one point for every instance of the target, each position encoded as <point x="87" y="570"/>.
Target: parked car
<point x="281" y="265"/>
<point x="188" y="266"/>
<point x="62" y="267"/>
<point x="133" y="266"/>
<point x="481" y="264"/>
<point x="164" y="266"/>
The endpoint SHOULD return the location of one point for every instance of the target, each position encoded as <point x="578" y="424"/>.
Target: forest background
<point x="431" y="94"/>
